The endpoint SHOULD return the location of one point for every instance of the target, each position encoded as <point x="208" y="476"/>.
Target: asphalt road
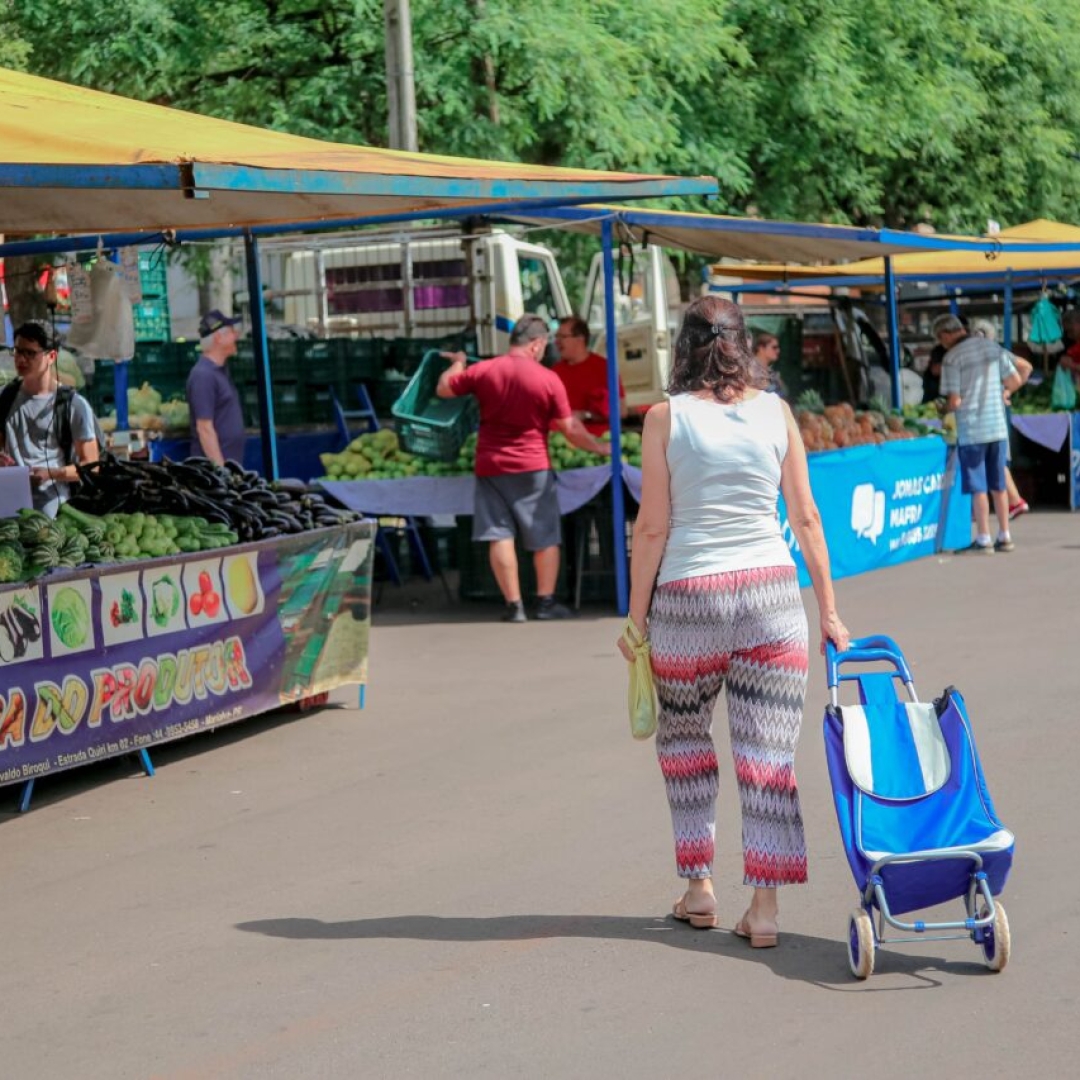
<point x="470" y="877"/>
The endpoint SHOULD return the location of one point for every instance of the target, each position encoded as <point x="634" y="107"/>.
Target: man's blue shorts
<point x="982" y="467"/>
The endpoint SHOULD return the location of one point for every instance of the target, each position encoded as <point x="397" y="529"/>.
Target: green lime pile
<point x="566" y="456"/>
<point x="377" y="455"/>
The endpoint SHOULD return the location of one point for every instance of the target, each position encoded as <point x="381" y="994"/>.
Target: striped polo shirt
<point x="976" y="368"/>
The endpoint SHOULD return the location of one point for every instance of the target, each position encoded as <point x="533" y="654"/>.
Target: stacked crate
<point x="152" y="313"/>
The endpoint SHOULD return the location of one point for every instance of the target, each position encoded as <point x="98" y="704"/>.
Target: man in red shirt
<point x="584" y="374"/>
<point x="520" y="402"/>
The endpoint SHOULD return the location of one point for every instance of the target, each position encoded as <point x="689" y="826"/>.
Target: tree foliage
<point x="867" y="111"/>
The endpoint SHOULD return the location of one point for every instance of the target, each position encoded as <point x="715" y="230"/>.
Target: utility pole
<point x="400" y="90"/>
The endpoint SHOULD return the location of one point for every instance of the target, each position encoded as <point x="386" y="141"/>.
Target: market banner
<point x="114" y="659"/>
<point x="884" y="505"/>
<point x="1074" y="463"/>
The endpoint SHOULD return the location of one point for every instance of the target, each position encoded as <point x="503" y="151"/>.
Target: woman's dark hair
<point x="712" y="353"/>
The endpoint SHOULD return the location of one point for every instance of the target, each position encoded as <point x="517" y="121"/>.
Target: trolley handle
<point x="864" y="651"/>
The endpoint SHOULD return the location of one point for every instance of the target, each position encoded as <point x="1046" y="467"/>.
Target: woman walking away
<point x="713" y="584"/>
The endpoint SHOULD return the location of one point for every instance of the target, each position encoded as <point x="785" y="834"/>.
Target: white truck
<point x="415" y="284"/>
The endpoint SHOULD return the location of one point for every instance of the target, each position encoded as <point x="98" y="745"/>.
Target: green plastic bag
<point x="641" y="696"/>
<point x="1045" y="326"/>
<point x="1063" y="392"/>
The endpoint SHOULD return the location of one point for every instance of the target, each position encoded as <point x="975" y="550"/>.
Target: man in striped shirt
<point x="974" y="377"/>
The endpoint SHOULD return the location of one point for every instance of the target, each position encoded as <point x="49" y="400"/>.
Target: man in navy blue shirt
<point x="217" y="419"/>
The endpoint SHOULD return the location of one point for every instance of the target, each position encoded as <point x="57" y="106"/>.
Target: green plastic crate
<point x="433" y="427"/>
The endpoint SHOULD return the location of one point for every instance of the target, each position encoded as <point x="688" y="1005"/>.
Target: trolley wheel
<point x="996" y="942"/>
<point x="860" y="949"/>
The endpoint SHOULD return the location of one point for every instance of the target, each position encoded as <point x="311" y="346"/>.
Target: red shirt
<point x="587" y="388"/>
<point x="519" y="401"/>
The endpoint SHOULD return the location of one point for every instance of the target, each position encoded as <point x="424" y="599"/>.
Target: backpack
<point x="65" y="398"/>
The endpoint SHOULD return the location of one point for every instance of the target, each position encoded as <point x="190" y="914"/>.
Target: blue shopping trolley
<point x="915" y="815"/>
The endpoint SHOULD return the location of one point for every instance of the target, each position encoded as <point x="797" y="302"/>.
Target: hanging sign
<point x="129" y="273"/>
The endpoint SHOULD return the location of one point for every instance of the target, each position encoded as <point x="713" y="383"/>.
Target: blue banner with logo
<point x="884" y="505"/>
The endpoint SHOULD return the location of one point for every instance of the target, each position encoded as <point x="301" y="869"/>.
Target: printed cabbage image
<point x="70" y="618"/>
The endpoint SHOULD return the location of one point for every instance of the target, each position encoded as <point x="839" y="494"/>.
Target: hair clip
<point x="716" y="329"/>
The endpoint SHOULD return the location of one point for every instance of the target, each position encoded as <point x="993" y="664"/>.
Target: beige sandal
<point x="760" y="939"/>
<point x="701" y="920"/>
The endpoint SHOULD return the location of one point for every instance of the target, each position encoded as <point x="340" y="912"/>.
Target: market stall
<point x="157" y="635"/>
<point x="111" y="660"/>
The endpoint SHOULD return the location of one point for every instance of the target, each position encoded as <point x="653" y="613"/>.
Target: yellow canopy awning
<point x="1011" y="253"/>
<point x="76" y="160"/>
<point x="716" y="235"/>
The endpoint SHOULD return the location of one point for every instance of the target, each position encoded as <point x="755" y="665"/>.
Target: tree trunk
<point x="25" y="300"/>
<point x="484" y="72"/>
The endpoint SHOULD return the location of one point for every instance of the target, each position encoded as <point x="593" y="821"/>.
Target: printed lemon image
<point x="242" y="588"/>
<point x="70" y="618"/>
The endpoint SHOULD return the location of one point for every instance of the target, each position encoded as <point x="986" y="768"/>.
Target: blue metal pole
<point x="120" y="389"/>
<point x="618" y="497"/>
<point x="263" y="383"/>
<point x="894" y="331"/>
<point x="1007" y="315"/>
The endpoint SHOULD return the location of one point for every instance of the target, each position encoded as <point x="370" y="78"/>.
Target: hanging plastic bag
<point x="110" y="332"/>
<point x="641" y="696"/>
<point x="1045" y="333"/>
<point x="1063" y="392"/>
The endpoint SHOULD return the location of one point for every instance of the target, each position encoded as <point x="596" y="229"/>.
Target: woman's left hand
<point x="832" y="629"/>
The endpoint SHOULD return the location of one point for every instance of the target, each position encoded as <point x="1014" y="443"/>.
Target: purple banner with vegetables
<point x="114" y="659"/>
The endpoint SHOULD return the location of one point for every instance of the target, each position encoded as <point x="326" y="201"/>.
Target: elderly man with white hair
<point x="975" y="375"/>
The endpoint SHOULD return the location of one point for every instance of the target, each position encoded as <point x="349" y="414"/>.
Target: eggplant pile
<point x="228" y="495"/>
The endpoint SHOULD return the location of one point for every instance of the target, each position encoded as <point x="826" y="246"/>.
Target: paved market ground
<point x="469" y="878"/>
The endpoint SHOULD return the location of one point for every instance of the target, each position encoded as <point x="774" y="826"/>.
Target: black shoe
<point x="515" y="612"/>
<point x="548" y="608"/>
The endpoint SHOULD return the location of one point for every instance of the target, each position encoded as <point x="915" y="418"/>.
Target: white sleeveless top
<point x="724" y="462"/>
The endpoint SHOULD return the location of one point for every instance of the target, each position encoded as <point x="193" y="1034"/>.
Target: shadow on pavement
<point x="821" y="962"/>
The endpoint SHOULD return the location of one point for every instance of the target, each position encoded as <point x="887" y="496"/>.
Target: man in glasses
<point x="43" y="425"/>
<point x="585" y="376"/>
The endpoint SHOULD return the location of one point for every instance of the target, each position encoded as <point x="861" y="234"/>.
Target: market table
<point x="118" y="658"/>
<point x="432" y="496"/>
<point x="881" y="505"/>
<point x="1055" y="431"/>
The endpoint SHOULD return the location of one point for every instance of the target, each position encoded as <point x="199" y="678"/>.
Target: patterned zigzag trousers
<point x="746" y="629"/>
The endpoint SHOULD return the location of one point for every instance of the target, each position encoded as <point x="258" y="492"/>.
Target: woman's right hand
<point x="832" y="629"/>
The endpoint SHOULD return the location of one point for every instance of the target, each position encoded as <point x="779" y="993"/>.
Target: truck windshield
<point x="537" y="296"/>
<point x="633" y="293"/>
